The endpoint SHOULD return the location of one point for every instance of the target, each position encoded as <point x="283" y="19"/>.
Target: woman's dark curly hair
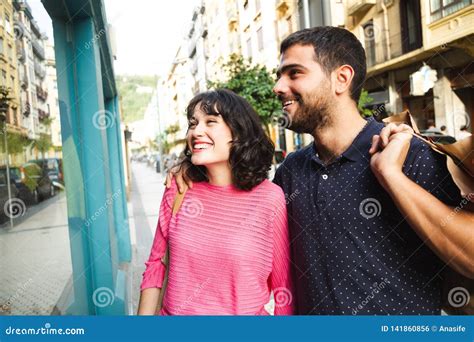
<point x="251" y="151"/>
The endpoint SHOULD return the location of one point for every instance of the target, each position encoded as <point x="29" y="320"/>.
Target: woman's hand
<point x="389" y="151"/>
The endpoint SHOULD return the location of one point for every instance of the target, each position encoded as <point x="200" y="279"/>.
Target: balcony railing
<point x="38" y="50"/>
<point x="41" y="93"/>
<point x="40" y="71"/>
<point x="42" y="115"/>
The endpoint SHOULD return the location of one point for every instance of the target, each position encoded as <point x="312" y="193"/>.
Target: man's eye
<point x="294" y="72"/>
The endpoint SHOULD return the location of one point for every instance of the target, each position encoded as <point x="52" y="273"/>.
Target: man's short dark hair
<point x="333" y="47"/>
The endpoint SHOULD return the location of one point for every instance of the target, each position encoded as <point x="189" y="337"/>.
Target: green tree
<point x="254" y="83"/>
<point x="365" y="100"/>
<point x="43" y="144"/>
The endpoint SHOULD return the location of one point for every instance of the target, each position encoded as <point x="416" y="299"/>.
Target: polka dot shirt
<point x="353" y="252"/>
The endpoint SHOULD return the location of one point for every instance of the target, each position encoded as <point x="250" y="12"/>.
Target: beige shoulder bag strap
<point x="178" y="200"/>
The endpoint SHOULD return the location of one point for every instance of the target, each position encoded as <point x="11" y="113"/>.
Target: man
<point x="353" y="252"/>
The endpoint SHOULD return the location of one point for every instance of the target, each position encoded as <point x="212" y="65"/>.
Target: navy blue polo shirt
<point x="352" y="250"/>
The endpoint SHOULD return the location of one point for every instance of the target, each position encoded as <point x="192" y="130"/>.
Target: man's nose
<point x="280" y="87"/>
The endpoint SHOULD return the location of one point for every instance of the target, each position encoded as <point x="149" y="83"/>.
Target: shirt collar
<point x="359" y="148"/>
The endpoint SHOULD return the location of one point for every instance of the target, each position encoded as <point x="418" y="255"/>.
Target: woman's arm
<point x="155" y="271"/>
<point x="149" y="301"/>
<point x="447" y="231"/>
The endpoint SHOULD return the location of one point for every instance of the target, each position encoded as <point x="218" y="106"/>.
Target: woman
<point x="228" y="244"/>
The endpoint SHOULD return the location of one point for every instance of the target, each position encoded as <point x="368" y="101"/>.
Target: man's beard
<point x="311" y="115"/>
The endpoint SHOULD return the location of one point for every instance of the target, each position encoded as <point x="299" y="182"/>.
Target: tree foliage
<point x="254" y="83"/>
<point x="365" y="100"/>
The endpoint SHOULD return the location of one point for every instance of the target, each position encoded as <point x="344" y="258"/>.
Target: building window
<point x="260" y="38"/>
<point x="249" y="47"/>
<point x="1" y="45"/>
<point x="443" y="8"/>
<point x="8" y="27"/>
<point x="410" y="15"/>
<point x="246" y="4"/>
<point x="258" y="6"/>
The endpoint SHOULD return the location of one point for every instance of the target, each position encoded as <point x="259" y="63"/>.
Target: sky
<point x="147" y="32"/>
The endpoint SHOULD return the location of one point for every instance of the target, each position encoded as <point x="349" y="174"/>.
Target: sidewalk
<point x="35" y="259"/>
<point x="143" y="210"/>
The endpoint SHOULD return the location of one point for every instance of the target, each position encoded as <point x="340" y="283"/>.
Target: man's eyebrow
<point x="285" y="68"/>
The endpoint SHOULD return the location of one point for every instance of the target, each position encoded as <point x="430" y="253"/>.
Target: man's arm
<point x="446" y="230"/>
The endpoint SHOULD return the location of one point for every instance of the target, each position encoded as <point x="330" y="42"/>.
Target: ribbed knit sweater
<point x="228" y="250"/>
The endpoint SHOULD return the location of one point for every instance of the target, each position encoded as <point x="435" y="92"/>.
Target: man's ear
<point x="343" y="79"/>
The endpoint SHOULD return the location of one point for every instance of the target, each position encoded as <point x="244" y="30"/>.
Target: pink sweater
<point x="228" y="250"/>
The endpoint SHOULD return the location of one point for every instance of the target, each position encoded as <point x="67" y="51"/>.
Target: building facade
<point x="400" y="37"/>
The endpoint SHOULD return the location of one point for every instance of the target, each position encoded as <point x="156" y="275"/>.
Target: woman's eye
<point x="211" y="121"/>
<point x="191" y="124"/>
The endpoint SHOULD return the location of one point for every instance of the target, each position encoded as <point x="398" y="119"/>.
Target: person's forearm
<point x="148" y="301"/>
<point x="448" y="231"/>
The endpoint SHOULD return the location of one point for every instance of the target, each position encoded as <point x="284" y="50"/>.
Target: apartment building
<point x="419" y="56"/>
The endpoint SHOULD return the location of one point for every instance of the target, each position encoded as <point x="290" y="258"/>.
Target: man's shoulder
<point x="299" y="156"/>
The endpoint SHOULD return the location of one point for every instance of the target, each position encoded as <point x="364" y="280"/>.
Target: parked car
<point x="438" y="137"/>
<point x="32" y="182"/>
<point x="53" y="168"/>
